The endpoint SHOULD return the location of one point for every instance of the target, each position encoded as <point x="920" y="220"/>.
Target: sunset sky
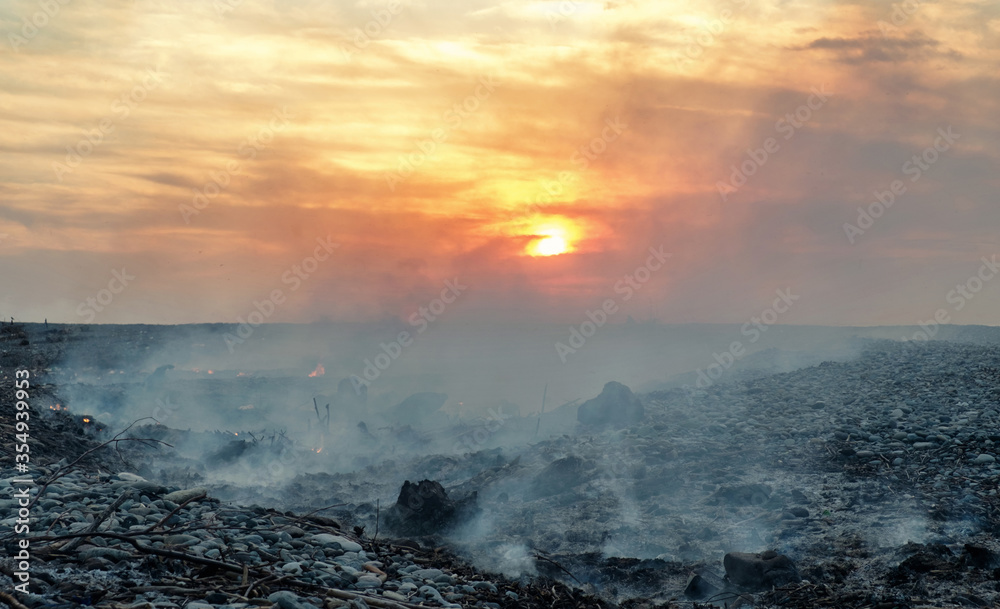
<point x="535" y="151"/>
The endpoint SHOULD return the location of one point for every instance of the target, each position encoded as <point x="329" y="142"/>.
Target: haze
<point x="177" y="162"/>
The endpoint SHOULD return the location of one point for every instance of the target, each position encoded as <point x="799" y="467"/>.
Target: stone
<point x="616" y="406"/>
<point x="984" y="458"/>
<point x="289" y="600"/>
<point x="560" y="476"/>
<point x="366" y="582"/>
<point x="758" y="572"/>
<point x="425" y="508"/>
<point x="180" y="540"/>
<point x="326" y="539"/>
<point x="184" y="495"/>
<point x="980" y="557"/>
<point x="703" y="583"/>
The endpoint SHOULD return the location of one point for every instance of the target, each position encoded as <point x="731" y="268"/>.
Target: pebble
<point x="327" y="539"/>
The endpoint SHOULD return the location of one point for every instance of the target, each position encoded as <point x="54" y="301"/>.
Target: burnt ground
<point x="876" y="476"/>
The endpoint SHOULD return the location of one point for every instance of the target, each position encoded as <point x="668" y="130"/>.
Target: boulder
<point x="617" y="406"/>
<point x="560" y="476"/>
<point x="755" y="572"/>
<point x="704" y="583"/>
<point x="425" y="509"/>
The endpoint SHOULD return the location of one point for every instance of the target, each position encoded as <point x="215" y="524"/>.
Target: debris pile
<point x="121" y="541"/>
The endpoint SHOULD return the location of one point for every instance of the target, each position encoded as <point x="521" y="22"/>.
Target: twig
<point x="174" y="511"/>
<point x="62" y="471"/>
<point x="376" y="521"/>
<point x="10" y="600"/>
<point x="372" y="601"/>
<point x="149" y="549"/>
<point x="562" y="568"/>
<point x="100" y="519"/>
<point x="261" y="582"/>
<point x="306" y="516"/>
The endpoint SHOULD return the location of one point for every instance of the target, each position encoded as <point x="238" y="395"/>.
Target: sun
<point x="550" y="239"/>
<point x="541" y="236"/>
<point x="548" y="246"/>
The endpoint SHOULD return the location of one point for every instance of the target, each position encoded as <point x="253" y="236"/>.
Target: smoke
<point x="258" y="416"/>
<point x="515" y="560"/>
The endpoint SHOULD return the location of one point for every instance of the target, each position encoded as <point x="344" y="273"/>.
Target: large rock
<point x="755" y="572"/>
<point x="425" y="509"/>
<point x="560" y="476"/>
<point x="617" y="406"/>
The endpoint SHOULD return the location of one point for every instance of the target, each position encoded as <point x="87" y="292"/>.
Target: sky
<point x="197" y="161"/>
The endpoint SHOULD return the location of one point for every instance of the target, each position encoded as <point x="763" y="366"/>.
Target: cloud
<point x="875" y="48"/>
<point x="354" y="116"/>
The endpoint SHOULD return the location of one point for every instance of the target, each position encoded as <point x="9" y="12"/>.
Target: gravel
<point x="877" y="477"/>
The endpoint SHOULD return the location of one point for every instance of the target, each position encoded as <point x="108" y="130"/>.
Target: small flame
<point x="319" y="450"/>
<point x="319" y="371"/>
<point x="211" y="372"/>
<point x="86" y="420"/>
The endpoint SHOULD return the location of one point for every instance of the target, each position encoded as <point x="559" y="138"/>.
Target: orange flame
<point x="86" y="420"/>
<point x="319" y="371"/>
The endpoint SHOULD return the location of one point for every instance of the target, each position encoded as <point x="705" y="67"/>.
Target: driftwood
<point x="10" y="600"/>
<point x="100" y="519"/>
<point x="173" y="512"/>
<point x="239" y="569"/>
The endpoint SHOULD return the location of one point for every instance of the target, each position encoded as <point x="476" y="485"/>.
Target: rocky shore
<point x="866" y="483"/>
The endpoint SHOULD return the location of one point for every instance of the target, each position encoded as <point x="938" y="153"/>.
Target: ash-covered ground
<point x="868" y="479"/>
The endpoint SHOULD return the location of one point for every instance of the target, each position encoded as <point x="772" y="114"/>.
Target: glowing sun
<point x="548" y="246"/>
<point x="549" y="241"/>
